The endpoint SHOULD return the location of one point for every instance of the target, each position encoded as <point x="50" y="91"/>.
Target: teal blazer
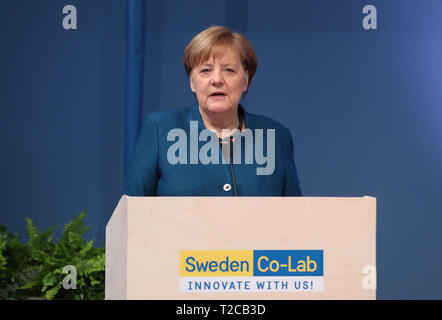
<point x="151" y="174"/>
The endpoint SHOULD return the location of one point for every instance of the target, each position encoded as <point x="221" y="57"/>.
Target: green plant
<point x="35" y="269"/>
<point x="13" y="257"/>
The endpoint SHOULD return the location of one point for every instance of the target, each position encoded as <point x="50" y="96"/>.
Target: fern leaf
<point x="32" y="231"/>
<point x="49" y="280"/>
<point x="50" y="294"/>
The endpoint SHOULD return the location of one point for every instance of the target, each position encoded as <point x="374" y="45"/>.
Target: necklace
<point x="230" y="137"/>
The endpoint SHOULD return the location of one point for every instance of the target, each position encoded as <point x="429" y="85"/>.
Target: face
<point x="219" y="83"/>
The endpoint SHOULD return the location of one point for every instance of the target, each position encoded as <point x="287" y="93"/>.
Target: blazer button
<point x="227" y="187"/>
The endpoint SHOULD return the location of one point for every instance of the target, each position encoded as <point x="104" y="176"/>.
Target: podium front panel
<point x="212" y="247"/>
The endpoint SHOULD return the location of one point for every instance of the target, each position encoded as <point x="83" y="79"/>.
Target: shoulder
<point x="159" y="123"/>
<point x="165" y="116"/>
<point x="162" y="121"/>
<point x="256" y="121"/>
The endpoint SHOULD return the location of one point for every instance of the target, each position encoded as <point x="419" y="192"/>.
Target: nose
<point x="217" y="78"/>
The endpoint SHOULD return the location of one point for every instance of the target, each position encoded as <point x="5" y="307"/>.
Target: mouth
<point x="217" y="94"/>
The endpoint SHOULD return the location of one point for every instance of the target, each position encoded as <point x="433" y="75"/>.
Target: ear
<point x="246" y="81"/>
<point x="192" y="84"/>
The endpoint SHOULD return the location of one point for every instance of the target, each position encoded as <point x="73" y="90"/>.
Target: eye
<point x="205" y="70"/>
<point x="230" y="70"/>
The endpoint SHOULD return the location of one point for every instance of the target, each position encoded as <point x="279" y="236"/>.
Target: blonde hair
<point x="213" y="41"/>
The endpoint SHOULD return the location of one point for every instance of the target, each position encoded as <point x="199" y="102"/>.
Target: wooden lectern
<point x="146" y="238"/>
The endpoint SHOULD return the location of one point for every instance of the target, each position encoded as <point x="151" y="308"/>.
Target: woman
<point x="246" y="155"/>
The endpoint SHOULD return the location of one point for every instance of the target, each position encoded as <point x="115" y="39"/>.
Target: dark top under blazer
<point x="151" y="174"/>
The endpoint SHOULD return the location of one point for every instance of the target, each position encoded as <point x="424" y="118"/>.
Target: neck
<point x="221" y="123"/>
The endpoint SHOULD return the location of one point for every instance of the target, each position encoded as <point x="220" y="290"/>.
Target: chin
<point x="218" y="107"/>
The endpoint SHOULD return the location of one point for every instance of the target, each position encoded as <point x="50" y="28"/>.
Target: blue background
<point x="364" y="108"/>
